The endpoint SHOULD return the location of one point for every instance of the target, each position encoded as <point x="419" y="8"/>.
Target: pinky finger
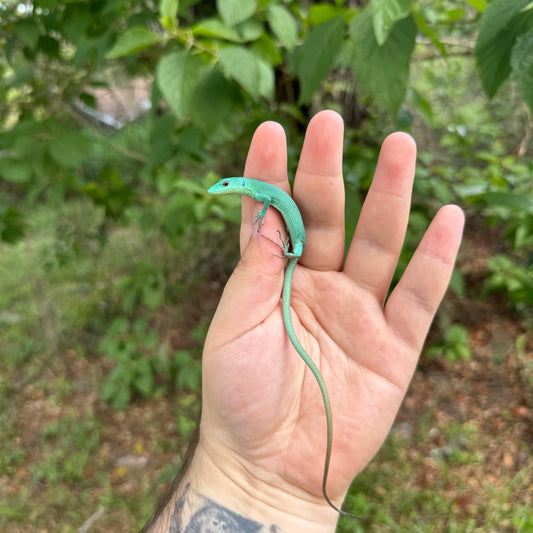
<point x="412" y="305"/>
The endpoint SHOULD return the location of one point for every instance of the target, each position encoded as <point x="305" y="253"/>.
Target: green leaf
<point x="177" y="216"/>
<point x="496" y="17"/>
<point x="168" y="10"/>
<point x="69" y="149"/>
<point x="501" y="23"/>
<point x="385" y="13"/>
<point x="250" y="30"/>
<point x="132" y="41"/>
<point x="49" y="46"/>
<point x="516" y="203"/>
<point x="214" y="99"/>
<point x="215" y="28"/>
<point x="266" y="48"/>
<point x="28" y="32"/>
<point x="253" y="74"/>
<point x="12" y="224"/>
<point x="479" y="5"/>
<point x="15" y="170"/>
<point x="522" y="65"/>
<point x="383" y="71"/>
<point x="456" y="334"/>
<point x="462" y="351"/>
<point x="233" y="12"/>
<point x="320" y="13"/>
<point x="314" y="57"/>
<point x="283" y="24"/>
<point x="144" y="377"/>
<point x="177" y="76"/>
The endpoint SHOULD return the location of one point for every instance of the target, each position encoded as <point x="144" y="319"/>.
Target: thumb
<point x="253" y="291"/>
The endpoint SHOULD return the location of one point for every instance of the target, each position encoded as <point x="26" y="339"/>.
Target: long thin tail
<point x="286" y="307"/>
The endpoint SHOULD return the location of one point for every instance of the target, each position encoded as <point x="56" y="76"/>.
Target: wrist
<point x="218" y="476"/>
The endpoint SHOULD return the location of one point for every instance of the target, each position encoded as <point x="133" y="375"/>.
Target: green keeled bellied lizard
<point x="270" y="195"/>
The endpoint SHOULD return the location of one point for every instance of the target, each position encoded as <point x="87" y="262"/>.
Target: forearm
<point x="226" y="494"/>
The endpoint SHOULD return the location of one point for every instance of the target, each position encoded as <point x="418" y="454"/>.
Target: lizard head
<point x="229" y="186"/>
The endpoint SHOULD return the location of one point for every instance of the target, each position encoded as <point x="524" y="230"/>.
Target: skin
<point x="262" y="443"/>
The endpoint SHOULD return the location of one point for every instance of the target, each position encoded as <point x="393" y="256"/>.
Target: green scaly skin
<point x="270" y="195"/>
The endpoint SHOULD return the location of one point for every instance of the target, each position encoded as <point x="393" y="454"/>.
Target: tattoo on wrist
<point x="208" y="516"/>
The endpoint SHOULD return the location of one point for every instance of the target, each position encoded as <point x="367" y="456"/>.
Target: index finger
<point x="266" y="161"/>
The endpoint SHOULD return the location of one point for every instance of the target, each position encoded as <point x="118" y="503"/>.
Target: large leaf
<point x="177" y="76"/>
<point x="385" y="13"/>
<point x="522" y="65"/>
<point x="383" y="71"/>
<point x="253" y="74"/>
<point x="213" y="101"/>
<point x="132" y="41"/>
<point x="314" y="57"/>
<point x="501" y="23"/>
<point x="283" y="25"/>
<point x="235" y="11"/>
<point x="496" y="17"/>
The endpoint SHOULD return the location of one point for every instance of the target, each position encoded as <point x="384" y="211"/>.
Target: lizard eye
<point x="225" y="183"/>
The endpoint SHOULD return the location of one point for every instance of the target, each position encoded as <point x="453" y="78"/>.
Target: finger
<point x="414" y="301"/>
<point x="319" y="192"/>
<point x="380" y="232"/>
<point x="266" y="161"/>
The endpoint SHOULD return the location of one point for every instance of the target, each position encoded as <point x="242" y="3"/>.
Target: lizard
<point x="271" y="195"/>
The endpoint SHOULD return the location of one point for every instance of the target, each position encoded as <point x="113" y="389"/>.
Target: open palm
<point x="261" y="404"/>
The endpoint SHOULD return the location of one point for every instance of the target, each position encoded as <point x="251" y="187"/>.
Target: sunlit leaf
<point x="253" y="74"/>
<point x="132" y="41"/>
<point x="235" y="11"/>
<point x="177" y="75"/>
<point x="283" y="24"/>
<point x="385" y="13"/>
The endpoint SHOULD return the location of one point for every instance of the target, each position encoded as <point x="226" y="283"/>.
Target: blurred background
<point x="115" y="118"/>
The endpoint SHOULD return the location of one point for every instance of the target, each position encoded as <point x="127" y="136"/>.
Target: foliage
<point x="514" y="278"/>
<point x="142" y="363"/>
<point x="454" y="346"/>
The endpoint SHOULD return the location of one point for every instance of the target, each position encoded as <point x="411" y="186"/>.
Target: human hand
<point x="263" y="422"/>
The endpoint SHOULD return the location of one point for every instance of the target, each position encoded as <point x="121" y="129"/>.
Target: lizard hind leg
<point x="284" y="246"/>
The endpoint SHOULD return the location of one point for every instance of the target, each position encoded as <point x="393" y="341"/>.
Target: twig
<point x="99" y="513"/>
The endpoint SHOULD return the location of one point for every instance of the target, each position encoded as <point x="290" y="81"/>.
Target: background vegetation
<point x="117" y="115"/>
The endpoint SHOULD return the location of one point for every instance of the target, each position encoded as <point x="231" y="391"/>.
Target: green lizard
<point x="270" y="195"/>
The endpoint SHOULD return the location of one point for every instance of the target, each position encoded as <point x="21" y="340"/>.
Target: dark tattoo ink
<point x="210" y="517"/>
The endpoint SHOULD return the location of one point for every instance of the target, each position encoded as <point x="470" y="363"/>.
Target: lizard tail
<point x="286" y="307"/>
